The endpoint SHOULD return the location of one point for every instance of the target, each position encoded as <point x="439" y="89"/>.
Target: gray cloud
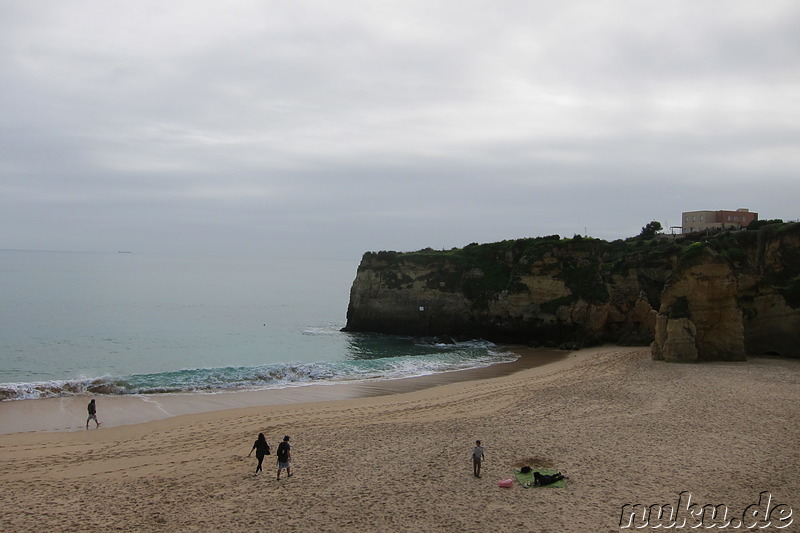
<point x="330" y="129"/>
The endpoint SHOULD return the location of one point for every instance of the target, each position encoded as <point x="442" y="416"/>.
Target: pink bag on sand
<point x="505" y="483"/>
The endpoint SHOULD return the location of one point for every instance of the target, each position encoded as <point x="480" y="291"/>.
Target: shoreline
<point x="68" y="413"/>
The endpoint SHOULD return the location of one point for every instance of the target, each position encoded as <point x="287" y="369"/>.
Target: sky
<point x="331" y="128"/>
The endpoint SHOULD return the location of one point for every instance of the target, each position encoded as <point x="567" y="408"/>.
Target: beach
<point x="625" y="429"/>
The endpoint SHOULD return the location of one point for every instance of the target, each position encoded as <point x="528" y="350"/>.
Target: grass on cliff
<point x="586" y="265"/>
<point x="499" y="265"/>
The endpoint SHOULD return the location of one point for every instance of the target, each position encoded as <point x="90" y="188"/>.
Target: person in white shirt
<point x="477" y="459"/>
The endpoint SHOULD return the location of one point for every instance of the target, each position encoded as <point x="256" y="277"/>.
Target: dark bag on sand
<point x="525" y="469"/>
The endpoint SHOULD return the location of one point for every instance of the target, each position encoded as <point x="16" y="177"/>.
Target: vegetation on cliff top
<point x="585" y="265"/>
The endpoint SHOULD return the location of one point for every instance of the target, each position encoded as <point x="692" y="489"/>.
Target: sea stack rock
<point x="700" y="319"/>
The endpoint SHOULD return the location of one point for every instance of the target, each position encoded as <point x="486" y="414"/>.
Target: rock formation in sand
<point x="700" y="318"/>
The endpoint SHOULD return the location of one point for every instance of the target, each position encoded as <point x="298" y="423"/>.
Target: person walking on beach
<point x="92" y="414"/>
<point x="262" y="448"/>
<point x="284" y="457"/>
<point x="477" y="458"/>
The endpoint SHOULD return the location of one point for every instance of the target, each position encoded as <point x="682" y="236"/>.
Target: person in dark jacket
<point x="262" y="448"/>
<point x="540" y="480"/>
<point x="92" y="414"/>
<point x="284" y="457"/>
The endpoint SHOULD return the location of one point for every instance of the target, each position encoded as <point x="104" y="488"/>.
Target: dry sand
<point x="624" y="428"/>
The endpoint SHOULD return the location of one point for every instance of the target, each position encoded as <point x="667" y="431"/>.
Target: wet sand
<point x="69" y="413"/>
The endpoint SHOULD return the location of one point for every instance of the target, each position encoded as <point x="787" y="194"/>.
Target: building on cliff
<point x="694" y="221"/>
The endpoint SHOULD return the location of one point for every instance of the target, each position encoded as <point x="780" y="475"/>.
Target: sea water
<point x="129" y="323"/>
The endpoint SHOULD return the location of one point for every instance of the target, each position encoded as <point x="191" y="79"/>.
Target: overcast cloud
<point x="331" y="128"/>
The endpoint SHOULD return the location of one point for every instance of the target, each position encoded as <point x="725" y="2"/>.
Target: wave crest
<point x="427" y="359"/>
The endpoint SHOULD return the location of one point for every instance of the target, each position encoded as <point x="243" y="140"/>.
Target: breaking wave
<point x="371" y="360"/>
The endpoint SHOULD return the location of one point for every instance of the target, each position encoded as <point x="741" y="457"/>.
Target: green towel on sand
<point x="527" y="479"/>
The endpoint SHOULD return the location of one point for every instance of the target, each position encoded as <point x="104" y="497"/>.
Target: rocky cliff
<point x="695" y="298"/>
<point x="700" y="317"/>
<point x="734" y="295"/>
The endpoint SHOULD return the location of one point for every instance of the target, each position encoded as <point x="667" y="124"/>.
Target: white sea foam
<point x="434" y="359"/>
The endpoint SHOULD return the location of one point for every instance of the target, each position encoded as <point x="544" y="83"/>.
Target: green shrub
<point x="694" y="250"/>
<point x="736" y="255"/>
<point x="756" y="224"/>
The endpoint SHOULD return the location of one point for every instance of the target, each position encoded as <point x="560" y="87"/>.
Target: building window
<point x="701" y="218"/>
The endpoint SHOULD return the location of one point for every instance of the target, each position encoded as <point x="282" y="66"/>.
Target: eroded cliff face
<point x="402" y="300"/>
<point x="700" y="319"/>
<point x="738" y="299"/>
<point x="717" y="300"/>
<point x="533" y="291"/>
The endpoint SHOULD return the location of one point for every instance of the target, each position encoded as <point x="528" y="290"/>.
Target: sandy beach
<point x="624" y="428"/>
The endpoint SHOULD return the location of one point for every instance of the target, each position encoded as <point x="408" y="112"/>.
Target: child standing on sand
<point x="477" y="458"/>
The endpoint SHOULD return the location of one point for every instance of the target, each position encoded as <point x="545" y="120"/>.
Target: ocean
<point x="128" y="323"/>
